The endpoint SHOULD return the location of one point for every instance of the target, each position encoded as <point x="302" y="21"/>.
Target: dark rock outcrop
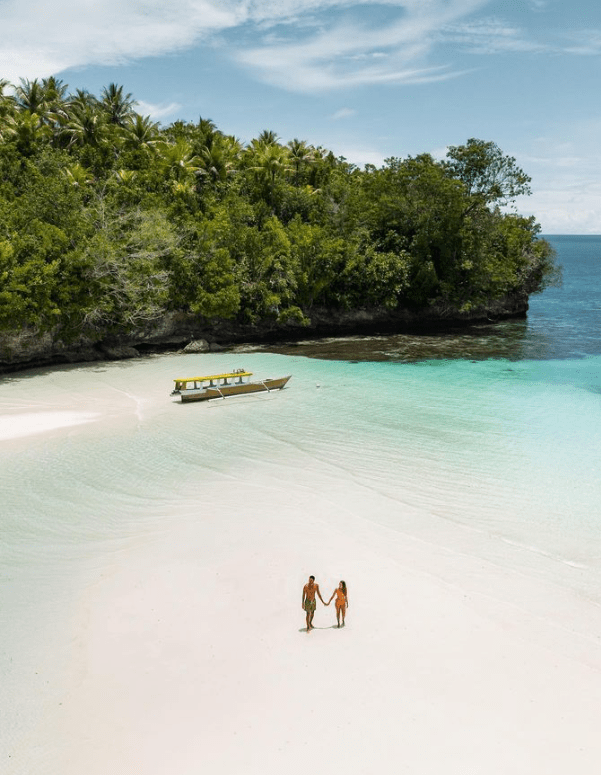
<point x="197" y="346"/>
<point x="191" y="333"/>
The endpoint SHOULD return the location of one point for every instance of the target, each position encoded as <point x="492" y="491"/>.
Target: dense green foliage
<point x="107" y="220"/>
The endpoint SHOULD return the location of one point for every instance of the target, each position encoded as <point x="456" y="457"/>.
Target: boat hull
<point x="224" y="391"/>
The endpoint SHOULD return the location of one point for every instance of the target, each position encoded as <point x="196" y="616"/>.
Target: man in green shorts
<point x="309" y="603"/>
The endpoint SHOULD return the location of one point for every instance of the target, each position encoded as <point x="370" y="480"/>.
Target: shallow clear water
<point x="487" y="442"/>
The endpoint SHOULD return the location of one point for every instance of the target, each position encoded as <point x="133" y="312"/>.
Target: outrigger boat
<point x="234" y="383"/>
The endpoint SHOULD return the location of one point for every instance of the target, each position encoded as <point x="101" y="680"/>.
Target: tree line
<point x="108" y="220"/>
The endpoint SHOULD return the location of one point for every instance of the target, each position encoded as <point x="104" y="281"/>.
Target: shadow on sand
<point x="331" y="627"/>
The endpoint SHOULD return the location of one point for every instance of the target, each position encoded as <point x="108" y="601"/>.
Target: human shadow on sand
<point x="330" y="627"/>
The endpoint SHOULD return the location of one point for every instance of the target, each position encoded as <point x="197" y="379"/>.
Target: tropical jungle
<point x="110" y="221"/>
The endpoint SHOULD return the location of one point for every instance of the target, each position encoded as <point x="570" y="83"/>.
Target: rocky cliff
<point x="178" y="331"/>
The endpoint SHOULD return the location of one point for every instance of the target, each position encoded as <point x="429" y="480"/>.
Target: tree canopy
<point x="107" y="220"/>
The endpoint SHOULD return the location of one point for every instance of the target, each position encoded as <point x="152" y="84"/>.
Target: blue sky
<point x="367" y="80"/>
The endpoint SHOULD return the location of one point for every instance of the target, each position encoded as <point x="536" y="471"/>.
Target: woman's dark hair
<point x="312" y="577"/>
<point x="343" y="586"/>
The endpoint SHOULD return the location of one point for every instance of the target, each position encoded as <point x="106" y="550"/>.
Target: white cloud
<point x="586" y="43"/>
<point x="566" y="179"/>
<point x="490" y="36"/>
<point x="561" y="211"/>
<point x="39" y="38"/>
<point x="157" y="111"/>
<point x="344" y="54"/>
<point x="360" y="156"/>
<point x="496" y="36"/>
<point x="298" y="45"/>
<point x="343" y="113"/>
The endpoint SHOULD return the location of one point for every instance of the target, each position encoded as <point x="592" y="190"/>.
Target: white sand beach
<point x="188" y="651"/>
<point x="192" y="653"/>
<point x="13" y="426"/>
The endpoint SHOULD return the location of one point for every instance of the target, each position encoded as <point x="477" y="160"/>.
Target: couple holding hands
<point x="309" y="604"/>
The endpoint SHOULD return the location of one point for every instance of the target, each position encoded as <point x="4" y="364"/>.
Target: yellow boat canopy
<point x="210" y="377"/>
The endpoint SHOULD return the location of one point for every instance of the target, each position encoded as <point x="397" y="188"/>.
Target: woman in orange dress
<point x="341" y="595"/>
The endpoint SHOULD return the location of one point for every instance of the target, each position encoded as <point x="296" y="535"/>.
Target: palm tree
<point x="85" y="126"/>
<point x="185" y="190"/>
<point x="56" y="104"/>
<point x="301" y="154"/>
<point x="141" y="132"/>
<point x="178" y="160"/>
<point x="233" y="147"/>
<point x="217" y="162"/>
<point x="181" y="130"/>
<point x="5" y="99"/>
<point x="208" y="130"/>
<point x="125" y="177"/>
<point x="118" y="107"/>
<point x="55" y="92"/>
<point x="55" y="88"/>
<point x="270" y="161"/>
<point x="321" y="168"/>
<point x="26" y="130"/>
<point x="82" y="99"/>
<point x="206" y="125"/>
<point x="30" y="96"/>
<point x="7" y="105"/>
<point x="268" y="137"/>
<point x="78" y="176"/>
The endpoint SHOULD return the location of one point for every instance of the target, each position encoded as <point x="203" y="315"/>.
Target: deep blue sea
<point x="565" y="322"/>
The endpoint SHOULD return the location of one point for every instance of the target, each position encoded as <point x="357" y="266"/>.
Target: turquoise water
<point x="495" y="451"/>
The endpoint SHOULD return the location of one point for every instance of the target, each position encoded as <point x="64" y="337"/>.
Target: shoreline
<point x="177" y="332"/>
